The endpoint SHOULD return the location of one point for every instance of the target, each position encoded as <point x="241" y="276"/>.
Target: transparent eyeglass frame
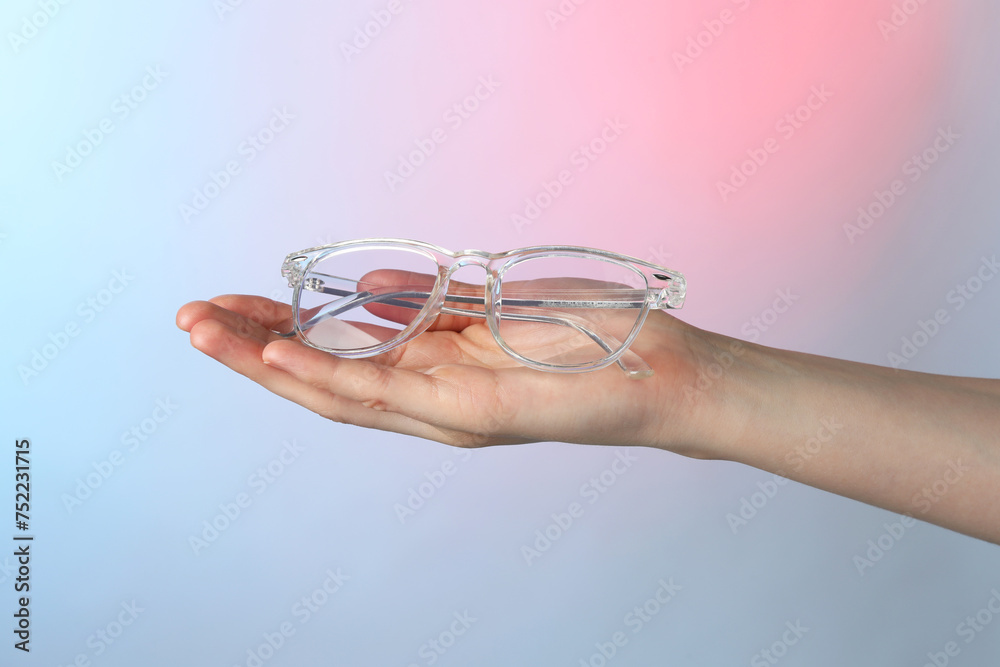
<point x="664" y="289"/>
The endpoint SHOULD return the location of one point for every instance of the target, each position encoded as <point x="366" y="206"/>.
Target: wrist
<point x="737" y="401"/>
<point x="909" y="442"/>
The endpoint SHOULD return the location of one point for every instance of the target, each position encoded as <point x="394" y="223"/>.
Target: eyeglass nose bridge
<point x="470" y="258"/>
<point x="474" y="258"/>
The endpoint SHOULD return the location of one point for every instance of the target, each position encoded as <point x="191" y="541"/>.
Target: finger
<point x="448" y="322"/>
<point x="198" y="311"/>
<point x="191" y="313"/>
<point x="226" y="345"/>
<point x="265" y="312"/>
<point x="393" y="285"/>
<point x="316" y="368"/>
<point x="259" y="310"/>
<point x="243" y="355"/>
<point x="473" y="402"/>
<point x="422" y="282"/>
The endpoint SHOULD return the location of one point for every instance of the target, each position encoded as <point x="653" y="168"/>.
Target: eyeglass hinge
<point x="671" y="296"/>
<point x="292" y="269"/>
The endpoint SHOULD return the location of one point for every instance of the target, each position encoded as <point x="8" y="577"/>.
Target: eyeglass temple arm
<point x="355" y="299"/>
<point x="478" y="300"/>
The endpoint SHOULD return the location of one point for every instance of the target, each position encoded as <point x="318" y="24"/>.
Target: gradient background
<point x="653" y="193"/>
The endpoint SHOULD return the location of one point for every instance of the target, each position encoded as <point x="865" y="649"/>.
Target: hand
<point x="454" y="384"/>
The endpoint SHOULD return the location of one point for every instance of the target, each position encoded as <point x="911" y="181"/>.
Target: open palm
<point x="453" y="383"/>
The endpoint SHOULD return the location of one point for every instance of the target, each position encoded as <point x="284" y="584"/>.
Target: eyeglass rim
<point x="410" y="331"/>
<point x="648" y="268"/>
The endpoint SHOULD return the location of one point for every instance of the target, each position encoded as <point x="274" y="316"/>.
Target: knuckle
<point x="475" y="440"/>
<point x="376" y="384"/>
<point x="336" y="418"/>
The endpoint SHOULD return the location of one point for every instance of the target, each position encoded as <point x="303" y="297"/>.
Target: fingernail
<point x="271" y="359"/>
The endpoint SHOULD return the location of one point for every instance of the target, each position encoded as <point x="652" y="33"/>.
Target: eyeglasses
<point x="552" y="308"/>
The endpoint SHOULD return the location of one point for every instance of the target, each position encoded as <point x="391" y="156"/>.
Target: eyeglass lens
<point x="567" y="311"/>
<point x="358" y="298"/>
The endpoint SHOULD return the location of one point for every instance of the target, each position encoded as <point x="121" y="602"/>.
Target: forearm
<point x="913" y="443"/>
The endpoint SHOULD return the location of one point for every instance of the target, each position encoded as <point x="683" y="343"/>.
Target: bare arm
<point x="914" y="443"/>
